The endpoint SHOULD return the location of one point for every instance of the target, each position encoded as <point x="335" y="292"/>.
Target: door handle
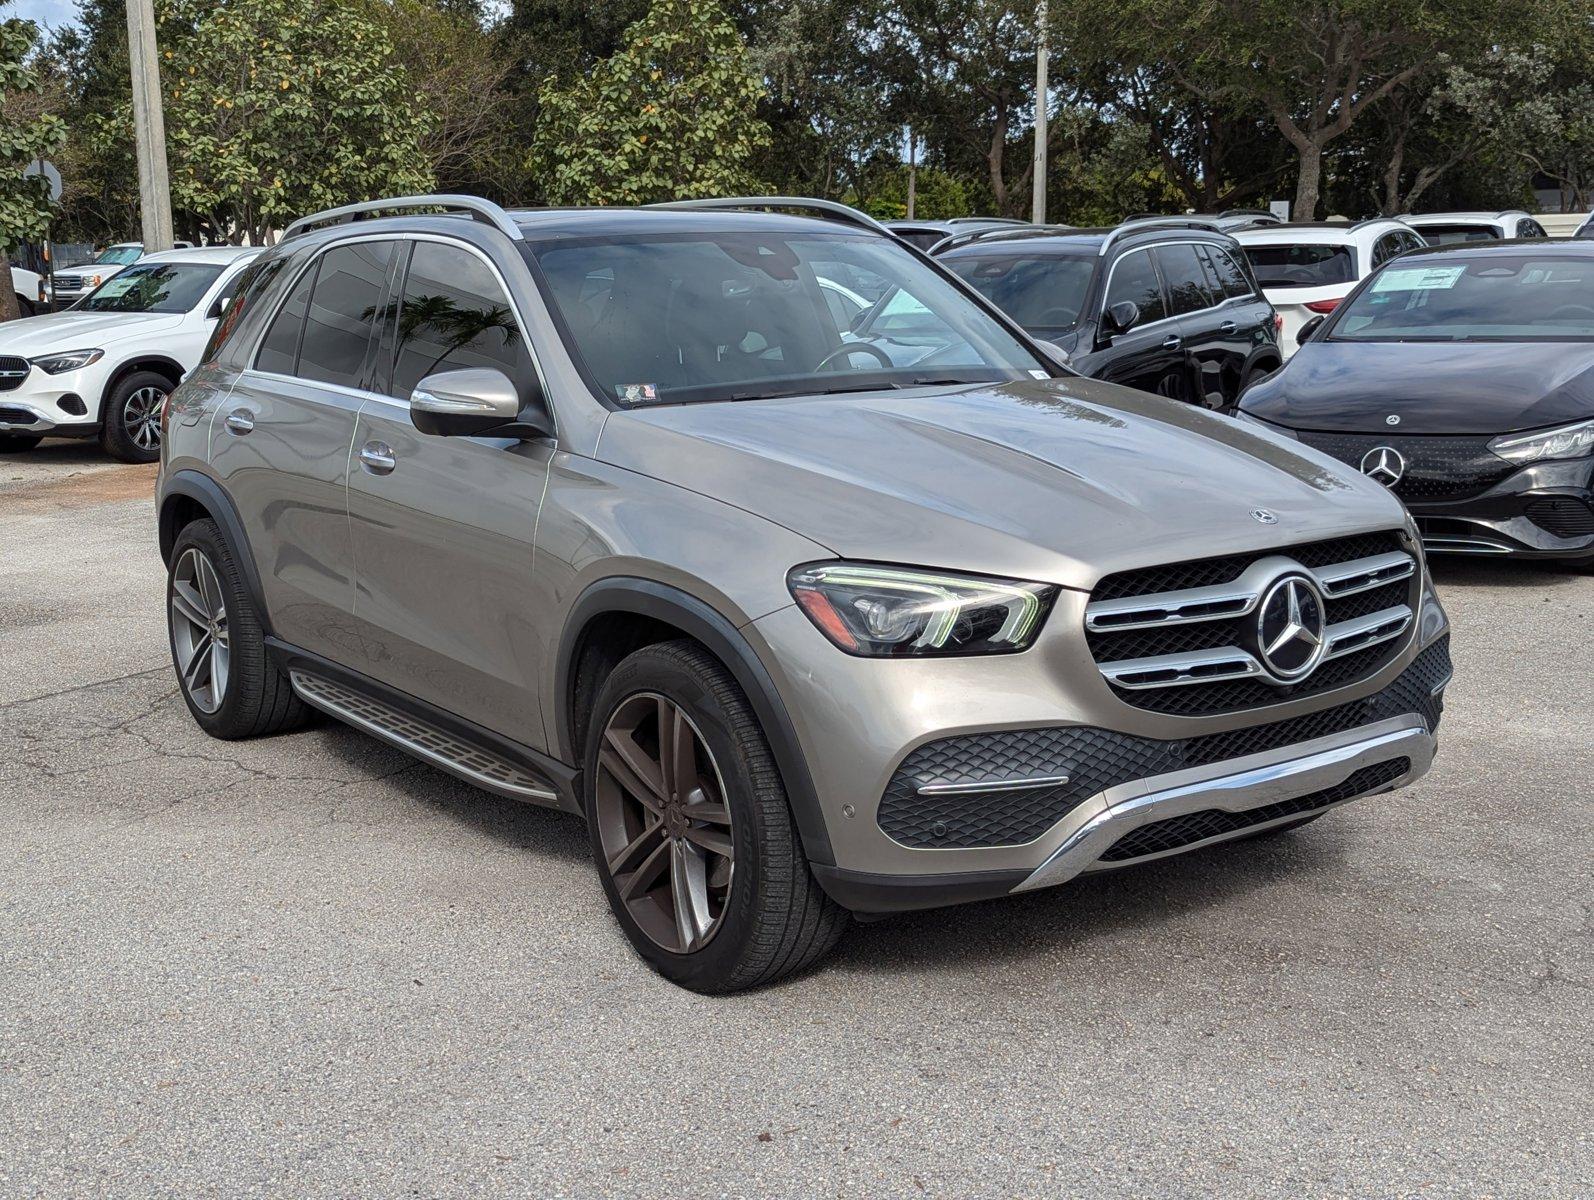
<point x="1172" y="342"/>
<point x="377" y="458"/>
<point x="240" y="421"/>
<point x="1227" y="327"/>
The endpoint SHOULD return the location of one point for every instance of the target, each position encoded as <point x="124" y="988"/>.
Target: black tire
<point x="25" y="307"/>
<point x="1253" y="375"/>
<point x="775" y="919"/>
<point x="124" y="435"/>
<point x="16" y="443"/>
<point x="257" y="698"/>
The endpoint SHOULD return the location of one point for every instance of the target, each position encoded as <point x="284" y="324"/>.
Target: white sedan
<point x="105" y="366"/>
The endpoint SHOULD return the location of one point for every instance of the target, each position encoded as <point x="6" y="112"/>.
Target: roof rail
<point x="1371" y="221"/>
<point x="1023" y="229"/>
<point x="478" y="209"/>
<point x="1248" y="212"/>
<point x="1144" y="224"/>
<point x="829" y="208"/>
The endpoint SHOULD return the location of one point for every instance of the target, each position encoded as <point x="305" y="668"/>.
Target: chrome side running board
<point x="425" y="741"/>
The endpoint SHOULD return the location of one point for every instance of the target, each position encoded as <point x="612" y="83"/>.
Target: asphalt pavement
<point x="310" y="966"/>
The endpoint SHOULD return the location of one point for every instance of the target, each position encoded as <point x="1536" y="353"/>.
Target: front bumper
<point x="1542" y="511"/>
<point x="64" y="405"/>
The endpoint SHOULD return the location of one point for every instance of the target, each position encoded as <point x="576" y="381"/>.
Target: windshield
<point x="1044" y="294"/>
<point x="153" y="287"/>
<point x="1489" y="299"/>
<point x="1449" y="235"/>
<point x="120" y="255"/>
<point x="1302" y="265"/>
<point x="672" y="319"/>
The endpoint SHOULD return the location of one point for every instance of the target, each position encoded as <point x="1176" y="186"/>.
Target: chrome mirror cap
<point x="483" y="392"/>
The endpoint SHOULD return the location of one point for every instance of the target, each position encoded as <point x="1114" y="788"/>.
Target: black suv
<point x="1167" y="306"/>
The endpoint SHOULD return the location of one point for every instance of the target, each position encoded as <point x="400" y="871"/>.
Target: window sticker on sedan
<point x="1418" y="279"/>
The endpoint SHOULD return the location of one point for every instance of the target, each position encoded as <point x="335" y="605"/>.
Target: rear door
<point x="280" y="442"/>
<point x="1150" y="356"/>
<point x="1214" y="346"/>
<point x="443" y="527"/>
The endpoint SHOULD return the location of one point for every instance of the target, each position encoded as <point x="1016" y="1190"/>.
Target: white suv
<point x="1306" y="269"/>
<point x="1444" y="229"/>
<point x="107" y="366"/>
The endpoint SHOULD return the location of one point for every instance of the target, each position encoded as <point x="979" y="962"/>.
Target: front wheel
<point x="691" y="830"/>
<point x="131" y="431"/>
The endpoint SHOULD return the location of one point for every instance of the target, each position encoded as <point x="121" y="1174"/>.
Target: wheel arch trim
<point x="210" y="496"/>
<point x="662" y="602"/>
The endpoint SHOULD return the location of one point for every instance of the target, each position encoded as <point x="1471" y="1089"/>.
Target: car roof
<point x="1461" y="218"/>
<point x="1566" y="247"/>
<point x="1132" y="233"/>
<point x="1294" y="231"/>
<point x="203" y="254"/>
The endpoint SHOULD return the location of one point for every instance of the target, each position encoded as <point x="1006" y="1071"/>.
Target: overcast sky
<point x="46" y="12"/>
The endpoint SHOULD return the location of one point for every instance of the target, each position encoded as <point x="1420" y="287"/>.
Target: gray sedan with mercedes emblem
<point x="606" y="510"/>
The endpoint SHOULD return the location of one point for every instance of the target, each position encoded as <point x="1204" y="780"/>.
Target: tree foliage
<point x="672" y="114"/>
<point x="24" y="138"/>
<point x="276" y="108"/>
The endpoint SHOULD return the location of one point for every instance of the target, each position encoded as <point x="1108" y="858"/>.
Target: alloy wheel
<point x="663" y="822"/>
<point x="141" y="417"/>
<point x="199" y="630"/>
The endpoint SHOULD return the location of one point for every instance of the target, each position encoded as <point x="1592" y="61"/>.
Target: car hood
<point x="1433" y="387"/>
<point x="34" y="336"/>
<point x="78" y="274"/>
<point x="1062" y="481"/>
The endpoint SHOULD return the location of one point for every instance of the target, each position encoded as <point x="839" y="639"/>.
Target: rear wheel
<point x="691" y="830"/>
<point x="132" y="423"/>
<point x="230" y="685"/>
<point x="16" y="443"/>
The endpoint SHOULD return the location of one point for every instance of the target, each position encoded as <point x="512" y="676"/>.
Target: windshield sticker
<point x="117" y="285"/>
<point x="637" y="393"/>
<point x="1418" y="279"/>
<point x="1036" y="373"/>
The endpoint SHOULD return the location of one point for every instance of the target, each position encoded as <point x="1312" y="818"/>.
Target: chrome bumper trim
<point x="1116" y="815"/>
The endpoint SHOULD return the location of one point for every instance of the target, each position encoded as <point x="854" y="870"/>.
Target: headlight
<point x="1569" y="441"/>
<point x="894" y="612"/>
<point x="71" y="360"/>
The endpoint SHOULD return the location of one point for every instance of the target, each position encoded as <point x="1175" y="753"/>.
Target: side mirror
<point x="474" y="401"/>
<point x="1304" y="334"/>
<point x="1123" y="316"/>
<point x="1055" y="352"/>
<point x="219" y="307"/>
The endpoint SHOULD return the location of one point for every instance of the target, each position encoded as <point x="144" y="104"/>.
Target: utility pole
<point x="149" y="127"/>
<point x="913" y="180"/>
<point x="1037" y="211"/>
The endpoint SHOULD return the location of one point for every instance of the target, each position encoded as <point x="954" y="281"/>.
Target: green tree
<point x="24" y="137"/>
<point x="673" y="113"/>
<point x="276" y="108"/>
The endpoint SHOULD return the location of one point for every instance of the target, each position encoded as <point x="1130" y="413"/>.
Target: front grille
<point x="16" y="416"/>
<point x="13" y="371"/>
<point x="1095" y="759"/>
<point x="1188" y="632"/>
<point x="1437" y="468"/>
<point x="1177" y="832"/>
<point x="1563" y="516"/>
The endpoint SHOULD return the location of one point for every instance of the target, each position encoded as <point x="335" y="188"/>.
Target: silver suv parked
<point x="605" y="510"/>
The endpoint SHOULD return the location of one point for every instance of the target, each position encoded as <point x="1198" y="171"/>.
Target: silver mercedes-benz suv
<point x="617" y="511"/>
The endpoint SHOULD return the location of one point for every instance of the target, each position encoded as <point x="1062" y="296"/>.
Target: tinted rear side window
<point x="1186" y="278"/>
<point x="247" y="287"/>
<point x="1135" y="279"/>
<point x="343" y="308"/>
<point x="279" y="349"/>
<point x="1231" y="276"/>
<point x="455" y="314"/>
<point x="1302" y="266"/>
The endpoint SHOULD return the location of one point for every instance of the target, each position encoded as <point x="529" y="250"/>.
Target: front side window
<point x="455" y="314"/>
<point x="1523" y="298"/>
<point x="1302" y="265"/>
<point x="712" y="316"/>
<point x="152" y="288"/>
<point x="1043" y="293"/>
<point x="1134" y="278"/>
<point x="1186" y="279"/>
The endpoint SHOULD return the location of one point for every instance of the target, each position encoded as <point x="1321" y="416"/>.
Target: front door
<point x="280" y="442"/>
<point x="1150" y="355"/>
<point x="443" y="527"/>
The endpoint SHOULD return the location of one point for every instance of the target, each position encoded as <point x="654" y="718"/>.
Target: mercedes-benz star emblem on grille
<point x="1264" y="516"/>
<point x="7" y="373"/>
<point x="1289" y="628"/>
<point x="1385" y="464"/>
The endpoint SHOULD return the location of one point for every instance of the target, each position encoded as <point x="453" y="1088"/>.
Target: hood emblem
<point x="1392" y="419"/>
<point x="1290" y="625"/>
<point x="1385" y="464"/>
<point x="1264" y="517"/>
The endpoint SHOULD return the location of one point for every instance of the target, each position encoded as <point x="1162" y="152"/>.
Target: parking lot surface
<point x="311" y="966"/>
